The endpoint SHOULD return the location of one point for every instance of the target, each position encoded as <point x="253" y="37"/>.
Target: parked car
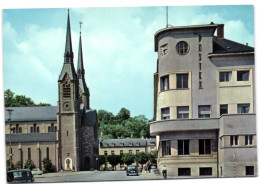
<point x="110" y="169"/>
<point x="153" y="168"/>
<point x="20" y="176"/>
<point x="37" y="171"/>
<point x="132" y="170"/>
<point x="122" y="168"/>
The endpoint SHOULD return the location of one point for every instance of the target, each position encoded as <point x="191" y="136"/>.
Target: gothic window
<point x="66" y="88"/>
<point x="47" y="153"/>
<point x="29" y="153"/>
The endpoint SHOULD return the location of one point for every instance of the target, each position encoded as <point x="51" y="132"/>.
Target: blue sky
<point x="118" y="49"/>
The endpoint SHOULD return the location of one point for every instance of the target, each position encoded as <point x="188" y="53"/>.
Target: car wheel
<point x="127" y="174"/>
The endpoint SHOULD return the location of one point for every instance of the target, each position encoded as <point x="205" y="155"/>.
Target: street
<point x="92" y="176"/>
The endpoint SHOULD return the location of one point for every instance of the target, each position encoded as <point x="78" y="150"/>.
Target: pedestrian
<point x="149" y="167"/>
<point x="164" y="170"/>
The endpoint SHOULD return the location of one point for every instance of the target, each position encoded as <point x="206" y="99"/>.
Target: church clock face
<point x="66" y="106"/>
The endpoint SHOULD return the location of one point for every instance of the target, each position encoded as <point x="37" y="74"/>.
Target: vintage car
<point x="20" y="176"/>
<point x="132" y="170"/>
<point x="37" y="171"/>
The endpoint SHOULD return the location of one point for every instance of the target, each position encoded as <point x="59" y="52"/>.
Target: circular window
<point x="182" y="48"/>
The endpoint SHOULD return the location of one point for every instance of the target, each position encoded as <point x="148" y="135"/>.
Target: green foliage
<point x="142" y="157"/>
<point x="8" y="165"/>
<point x="102" y="159"/>
<point x="122" y="125"/>
<point x="29" y="164"/>
<point x="12" y="100"/>
<point x="128" y="158"/>
<point x="18" y="165"/>
<point x="47" y="165"/>
<point x="114" y="160"/>
<point x="151" y="157"/>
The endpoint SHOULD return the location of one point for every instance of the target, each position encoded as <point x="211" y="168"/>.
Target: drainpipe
<point x="218" y="148"/>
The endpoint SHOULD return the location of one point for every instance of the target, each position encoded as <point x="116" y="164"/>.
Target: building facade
<point x="121" y="146"/>
<point x="68" y="133"/>
<point x="204" y="103"/>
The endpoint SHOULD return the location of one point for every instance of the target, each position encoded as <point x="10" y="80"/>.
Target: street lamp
<point x="10" y="125"/>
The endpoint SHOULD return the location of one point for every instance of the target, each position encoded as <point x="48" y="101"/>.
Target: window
<point x="182" y="112"/>
<point x="112" y="144"/>
<point x="233" y="140"/>
<point x="183" y="147"/>
<point x="52" y="127"/>
<point x="38" y="129"/>
<point x="20" y="129"/>
<point x="29" y="153"/>
<point x="105" y="153"/>
<point x="204" y="111"/>
<point x="49" y="129"/>
<point x="121" y="144"/>
<point x="206" y="171"/>
<point x="17" y="128"/>
<point x="47" y="153"/>
<point x="31" y="129"/>
<point x="137" y="144"/>
<point x="250" y="170"/>
<point x="200" y="75"/>
<point x="166" y="148"/>
<point x="137" y="151"/>
<point x="34" y="127"/>
<point x="182" y="48"/>
<point x="112" y="152"/>
<point x="243" y="108"/>
<point x="243" y="75"/>
<point x="183" y="171"/>
<point x="182" y="81"/>
<point x="165" y="83"/>
<point x="121" y="152"/>
<point x="130" y="144"/>
<point x="204" y="146"/>
<point x="66" y="90"/>
<point x="249" y="139"/>
<point x="165" y="113"/>
<point x="223" y="109"/>
<point x="67" y="133"/>
<point x="225" y="76"/>
<point x="55" y="128"/>
<point x="130" y="151"/>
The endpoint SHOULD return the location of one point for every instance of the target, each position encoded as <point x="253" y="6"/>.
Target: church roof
<point x="227" y="46"/>
<point x="33" y="137"/>
<point x="133" y="142"/>
<point x="89" y="117"/>
<point x="35" y="113"/>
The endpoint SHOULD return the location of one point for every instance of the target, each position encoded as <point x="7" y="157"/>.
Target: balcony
<point x="157" y="127"/>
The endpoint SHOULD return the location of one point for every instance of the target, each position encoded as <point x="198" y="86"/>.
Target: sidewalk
<point x="63" y="173"/>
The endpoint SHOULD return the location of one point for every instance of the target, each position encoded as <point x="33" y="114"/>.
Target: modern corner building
<point x="204" y="103"/>
<point x="68" y="133"/>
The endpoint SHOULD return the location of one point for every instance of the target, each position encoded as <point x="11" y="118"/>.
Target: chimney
<point x="220" y="31"/>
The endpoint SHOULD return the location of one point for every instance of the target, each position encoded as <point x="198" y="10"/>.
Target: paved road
<point x="92" y="176"/>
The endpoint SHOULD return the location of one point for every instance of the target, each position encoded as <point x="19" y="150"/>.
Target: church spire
<point x="80" y="69"/>
<point x="68" y="47"/>
<point x="84" y="91"/>
<point x="68" y="66"/>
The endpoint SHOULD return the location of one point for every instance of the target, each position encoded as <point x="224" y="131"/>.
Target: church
<point x="67" y="134"/>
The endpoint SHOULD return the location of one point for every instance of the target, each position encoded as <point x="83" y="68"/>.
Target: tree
<point x="29" y="164"/>
<point x="8" y="165"/>
<point x="128" y="158"/>
<point x="102" y="160"/>
<point x="123" y="114"/>
<point x="18" y="165"/>
<point x="47" y="165"/>
<point x="12" y="100"/>
<point x="142" y="158"/>
<point x="152" y="157"/>
<point x="114" y="160"/>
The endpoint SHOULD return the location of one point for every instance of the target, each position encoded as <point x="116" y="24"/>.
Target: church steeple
<point x="68" y="46"/>
<point x="68" y="66"/>
<point x="83" y="89"/>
